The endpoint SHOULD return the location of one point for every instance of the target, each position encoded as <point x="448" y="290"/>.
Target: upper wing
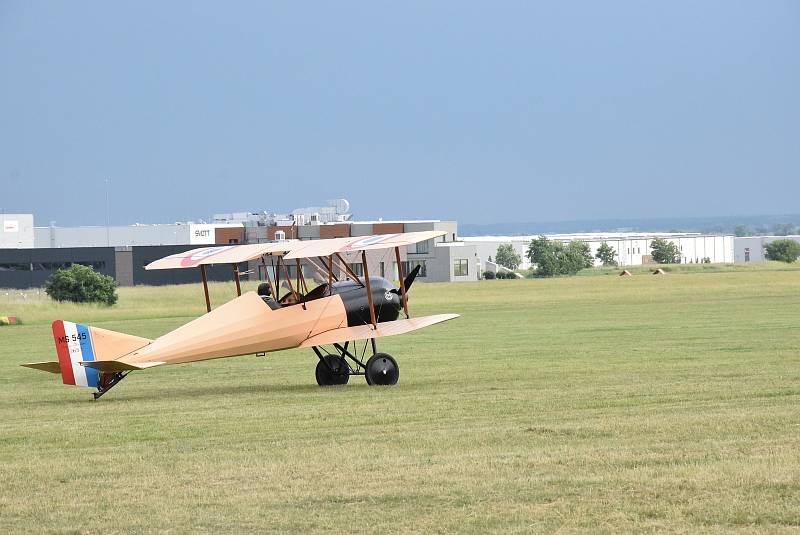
<point x="314" y="248"/>
<point x="221" y="254"/>
<point x="234" y="254"/>
<point x="387" y="328"/>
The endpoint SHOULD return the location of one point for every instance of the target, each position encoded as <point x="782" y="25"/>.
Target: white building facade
<point x="16" y="231"/>
<point x="631" y="249"/>
<point x="752" y="248"/>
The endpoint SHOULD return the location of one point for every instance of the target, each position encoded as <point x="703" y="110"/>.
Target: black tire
<point x="382" y="369"/>
<point x="334" y="371"/>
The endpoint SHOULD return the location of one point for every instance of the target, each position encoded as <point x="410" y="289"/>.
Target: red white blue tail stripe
<point x="74" y="344"/>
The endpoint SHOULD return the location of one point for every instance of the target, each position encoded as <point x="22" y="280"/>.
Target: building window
<point x="411" y="264"/>
<point x="383" y="270"/>
<point x="357" y="268"/>
<point x="233" y="241"/>
<point x="280" y="235"/>
<point x="15" y="267"/>
<point x="285" y="270"/>
<point x="746" y="254"/>
<point x="419" y="248"/>
<point x="460" y="268"/>
<point x="97" y="265"/>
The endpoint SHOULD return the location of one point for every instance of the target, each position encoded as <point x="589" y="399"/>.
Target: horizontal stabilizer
<point x="365" y="332"/>
<point x="52" y="367"/>
<point x="116" y="366"/>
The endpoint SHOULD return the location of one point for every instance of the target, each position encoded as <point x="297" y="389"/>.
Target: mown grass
<point x="598" y="404"/>
<point x="693" y="268"/>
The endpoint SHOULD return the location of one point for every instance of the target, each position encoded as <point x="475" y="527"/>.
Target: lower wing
<point x="364" y="332"/>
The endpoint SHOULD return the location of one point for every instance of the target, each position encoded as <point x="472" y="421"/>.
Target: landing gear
<point x="107" y="382"/>
<point x="332" y="370"/>
<point x="381" y="369"/>
<point x="336" y="369"/>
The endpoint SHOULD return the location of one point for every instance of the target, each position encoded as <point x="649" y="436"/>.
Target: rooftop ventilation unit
<point x="342" y="206"/>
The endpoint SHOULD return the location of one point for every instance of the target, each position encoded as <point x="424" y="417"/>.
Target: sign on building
<point x="201" y="234"/>
<point x="10" y="225"/>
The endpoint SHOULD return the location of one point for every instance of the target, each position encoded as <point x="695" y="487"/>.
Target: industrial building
<point x="752" y="248"/>
<point x="29" y="255"/>
<point x="632" y="249"/>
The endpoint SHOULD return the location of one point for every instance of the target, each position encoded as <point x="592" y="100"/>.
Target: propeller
<point x="409" y="280"/>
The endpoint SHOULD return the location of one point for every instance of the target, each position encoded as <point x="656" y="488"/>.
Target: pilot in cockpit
<point x="265" y="292"/>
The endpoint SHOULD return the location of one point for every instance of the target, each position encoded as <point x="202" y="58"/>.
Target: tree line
<point x="551" y="258"/>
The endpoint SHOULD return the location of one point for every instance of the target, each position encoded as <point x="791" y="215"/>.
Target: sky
<point x="480" y="112"/>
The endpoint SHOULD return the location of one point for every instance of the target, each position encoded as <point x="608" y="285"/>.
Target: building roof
<point x="591" y="236"/>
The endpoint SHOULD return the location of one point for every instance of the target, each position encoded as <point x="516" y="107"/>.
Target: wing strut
<point x="369" y="291"/>
<point x="348" y="270"/>
<point x="205" y="285"/>
<point x="330" y="275"/>
<point x="301" y="278"/>
<point x="402" y="280"/>
<point x="269" y="279"/>
<point x="288" y="278"/>
<point x="236" y="276"/>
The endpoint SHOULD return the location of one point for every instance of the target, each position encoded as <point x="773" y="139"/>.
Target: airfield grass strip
<point x="596" y="404"/>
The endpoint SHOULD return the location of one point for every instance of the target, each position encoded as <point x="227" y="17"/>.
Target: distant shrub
<point x="665" y="252"/>
<point x="707" y="260"/>
<point x="489" y="275"/>
<point x="506" y="275"/>
<point x="507" y="257"/>
<point x="783" y="250"/>
<point x="553" y="258"/>
<point x="81" y="284"/>
<point x="607" y="255"/>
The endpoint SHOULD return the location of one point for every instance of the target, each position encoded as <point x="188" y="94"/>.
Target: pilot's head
<point x="263" y="289"/>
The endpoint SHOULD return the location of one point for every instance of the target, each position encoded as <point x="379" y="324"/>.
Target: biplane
<point x="333" y="318"/>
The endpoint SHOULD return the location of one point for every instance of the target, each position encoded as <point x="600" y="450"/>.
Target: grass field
<point x="598" y="404"/>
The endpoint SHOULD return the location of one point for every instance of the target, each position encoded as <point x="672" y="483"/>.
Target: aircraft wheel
<point x="335" y="373"/>
<point x="382" y="369"/>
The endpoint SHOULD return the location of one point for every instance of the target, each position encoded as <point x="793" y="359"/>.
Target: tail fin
<point x="76" y="343"/>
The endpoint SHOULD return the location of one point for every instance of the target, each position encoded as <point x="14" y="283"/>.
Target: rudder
<point x="76" y="343"/>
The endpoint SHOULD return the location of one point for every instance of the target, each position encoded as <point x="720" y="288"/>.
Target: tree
<point x="543" y="254"/>
<point x="783" y="250"/>
<point x="665" y="252"/>
<point x="553" y="258"/>
<point x="579" y="254"/>
<point x="81" y="284"/>
<point x="606" y="254"/>
<point x="507" y="257"/>
<point x="783" y="229"/>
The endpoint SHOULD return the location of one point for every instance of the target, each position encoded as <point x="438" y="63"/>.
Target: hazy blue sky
<point x="494" y="111"/>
